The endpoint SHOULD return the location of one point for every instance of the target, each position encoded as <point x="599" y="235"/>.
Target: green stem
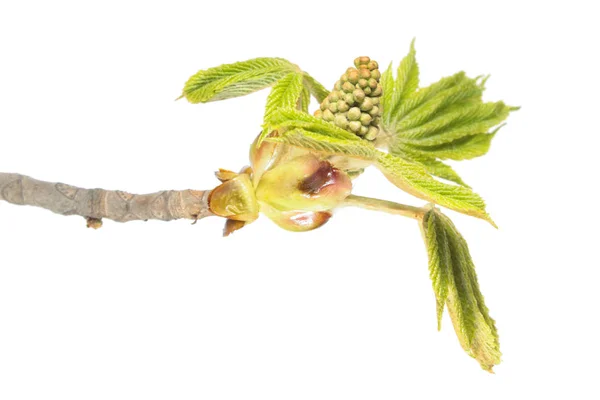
<point x="370" y="203"/>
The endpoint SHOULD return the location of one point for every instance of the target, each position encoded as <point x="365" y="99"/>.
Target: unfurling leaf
<point x="315" y="88"/>
<point x="237" y="79"/>
<point x="414" y="179"/>
<point x="407" y="81"/>
<point x="286" y="93"/>
<point x="289" y="119"/>
<point x="320" y="143"/>
<point x="455" y="285"/>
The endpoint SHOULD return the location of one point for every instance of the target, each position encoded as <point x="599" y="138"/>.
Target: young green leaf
<point x="464" y="148"/>
<point x="414" y="179"/>
<point x="455" y="285"/>
<point x="286" y="93"/>
<point x="315" y="88"/>
<point x="431" y="165"/>
<point x="237" y="79"/>
<point x="456" y="124"/>
<point x="407" y="80"/>
<point x="289" y="118"/>
<point x="318" y="142"/>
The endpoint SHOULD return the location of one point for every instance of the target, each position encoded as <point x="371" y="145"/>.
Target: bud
<point x="305" y="183"/>
<point x="358" y="87"/>
<point x="234" y="199"/>
<point x="296" y="221"/>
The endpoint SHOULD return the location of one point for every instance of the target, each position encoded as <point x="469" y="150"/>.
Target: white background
<point x="173" y="311"/>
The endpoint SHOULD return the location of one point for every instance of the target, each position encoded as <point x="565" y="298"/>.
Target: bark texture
<point x="99" y="203"/>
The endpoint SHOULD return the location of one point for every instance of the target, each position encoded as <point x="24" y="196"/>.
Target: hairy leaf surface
<point x="234" y="80"/>
<point x="414" y="179"/>
<point x="455" y="285"/>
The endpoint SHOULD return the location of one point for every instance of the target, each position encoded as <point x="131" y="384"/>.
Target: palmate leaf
<point x="455" y="285"/>
<point x="286" y="93"/>
<point x="445" y="120"/>
<point x="237" y="79"/>
<point x="414" y="179"/>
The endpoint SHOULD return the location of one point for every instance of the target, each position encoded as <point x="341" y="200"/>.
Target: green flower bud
<point x="342" y="106"/>
<point x="325" y="103"/>
<point x="363" y="83"/>
<point x="338" y="85"/>
<point x="375" y="100"/>
<point x="333" y="96"/>
<point x="354" y="126"/>
<point x="378" y="91"/>
<point x="372" y="65"/>
<point x="328" y="115"/>
<point x="363" y="130"/>
<point x="375" y="74"/>
<point x="361" y="61"/>
<point x="344" y="78"/>
<point x="365" y="119"/>
<point x="353" y="76"/>
<point x="354" y="114"/>
<point x="347" y="87"/>
<point x="341" y="121"/>
<point x="359" y="95"/>
<point x="367" y="104"/>
<point x="364" y="73"/>
<point x="333" y="107"/>
<point x="349" y="99"/>
<point x="304" y="183"/>
<point x="374" y="111"/>
<point x="367" y="91"/>
<point x="319" y="113"/>
<point x="372" y="83"/>
<point x="372" y="133"/>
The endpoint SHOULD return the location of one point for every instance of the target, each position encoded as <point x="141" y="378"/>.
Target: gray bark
<point x="99" y="203"/>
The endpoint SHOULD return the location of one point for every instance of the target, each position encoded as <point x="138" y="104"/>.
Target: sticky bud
<point x="305" y="183"/>
<point x="296" y="221"/>
<point x="234" y="199"/>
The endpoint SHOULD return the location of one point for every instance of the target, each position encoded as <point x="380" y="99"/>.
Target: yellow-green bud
<point x="296" y="221"/>
<point x="365" y="119"/>
<point x="333" y="107"/>
<point x="363" y="130"/>
<point x="377" y="92"/>
<point x="363" y="83"/>
<point x="347" y="87"/>
<point x="364" y="73"/>
<point x="359" y="95"/>
<point x="371" y="133"/>
<point x="304" y="183"/>
<point x="372" y="83"/>
<point x="328" y="115"/>
<point x="353" y="76"/>
<point x="354" y="126"/>
<point x="375" y="74"/>
<point x="341" y="121"/>
<point x="367" y="104"/>
<point x="374" y="111"/>
<point x="372" y="65"/>
<point x="342" y="106"/>
<point x="349" y="99"/>
<point x="354" y="114"/>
